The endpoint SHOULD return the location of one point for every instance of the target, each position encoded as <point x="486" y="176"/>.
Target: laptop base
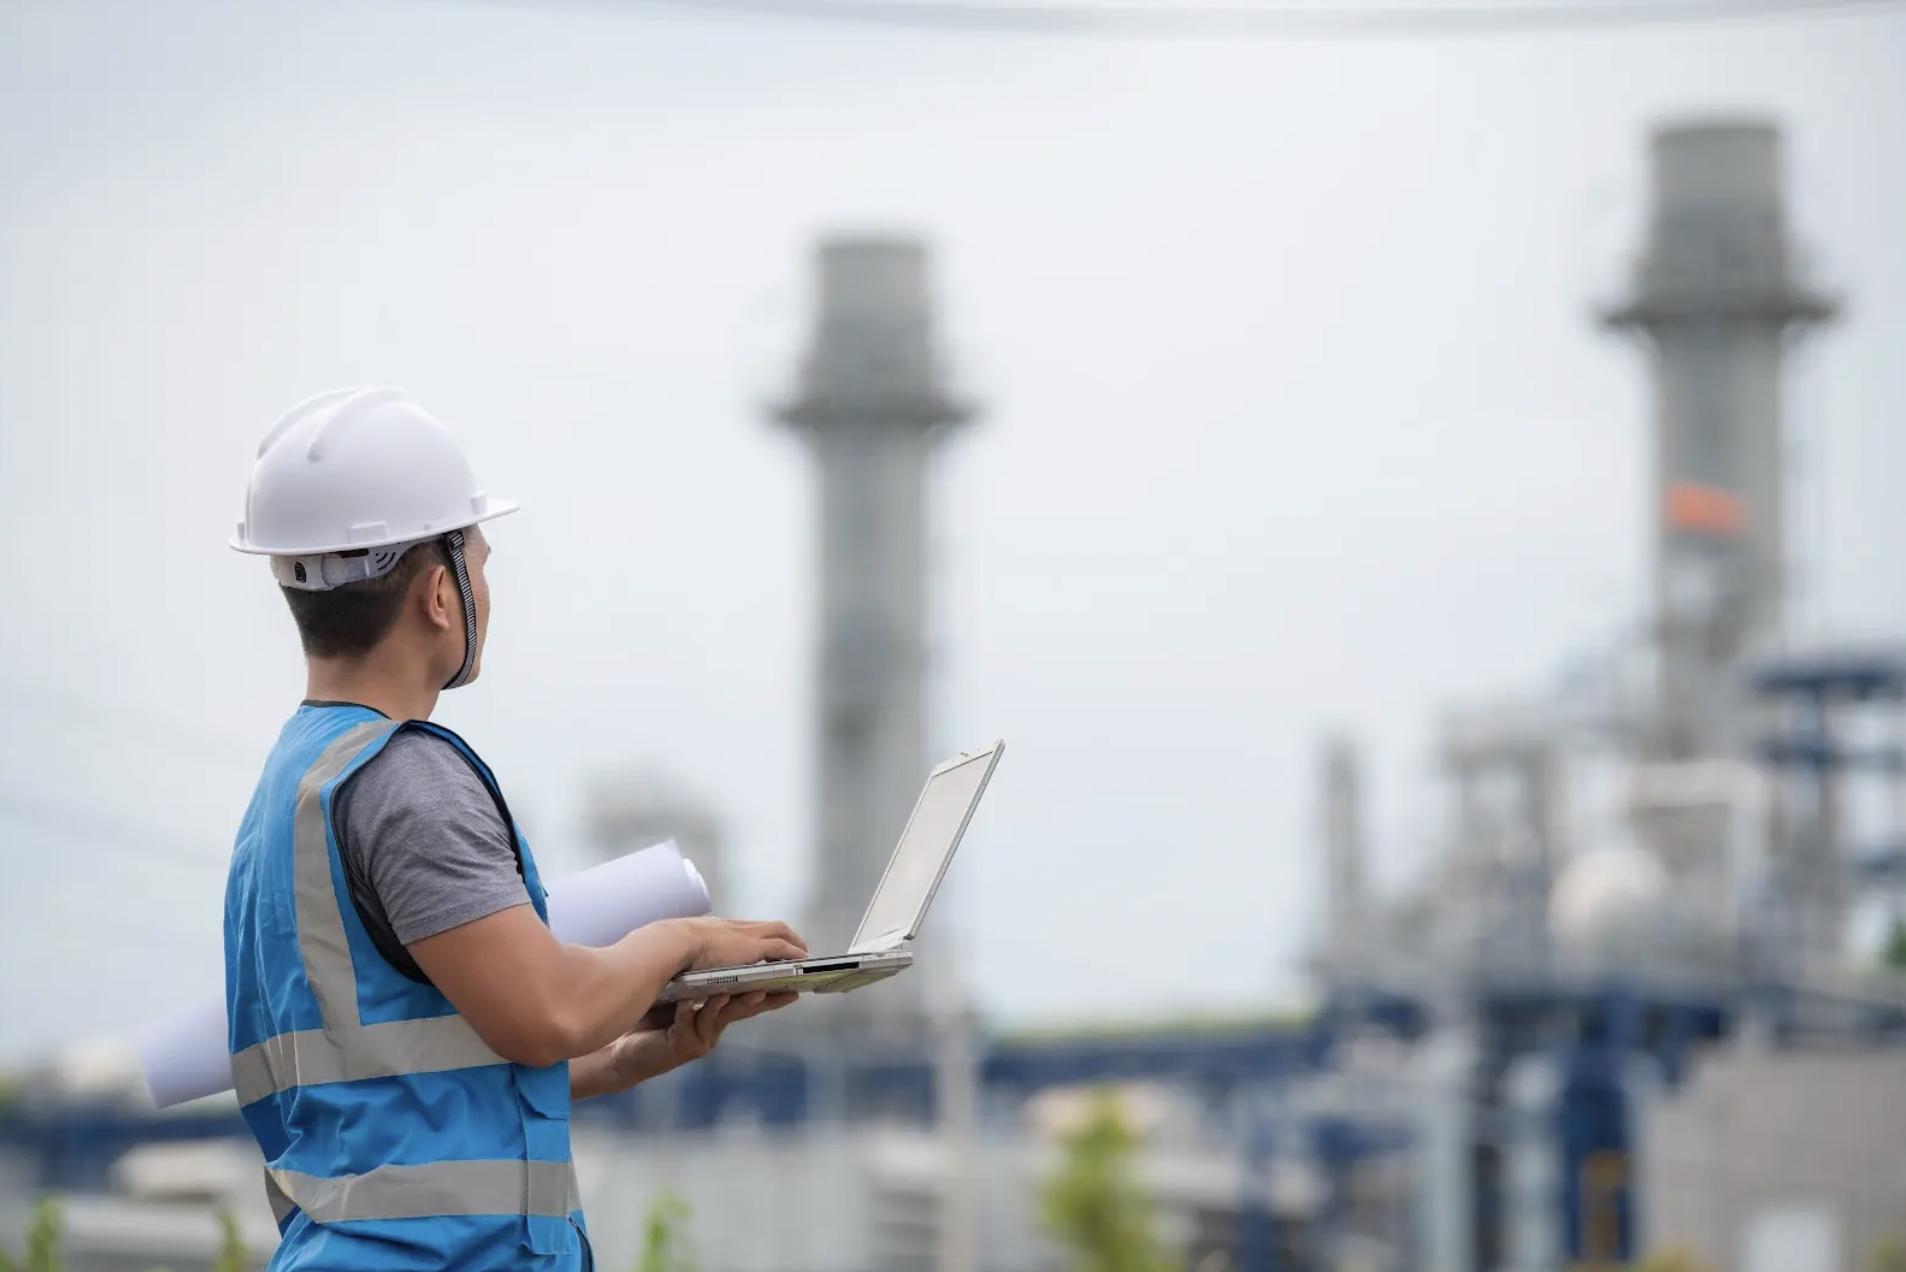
<point x="836" y="975"/>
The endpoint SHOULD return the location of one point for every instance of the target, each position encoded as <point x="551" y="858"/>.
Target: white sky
<point x="1297" y="420"/>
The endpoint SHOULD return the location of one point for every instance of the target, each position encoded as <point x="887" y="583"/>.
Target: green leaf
<point x="665" y="1237"/>
<point x="1895" y="954"/>
<point x="1888" y="1256"/>
<point x="43" y="1238"/>
<point x="1093" y="1206"/>
<point x="231" y="1255"/>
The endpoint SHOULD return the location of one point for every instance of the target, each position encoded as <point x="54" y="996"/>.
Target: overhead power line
<point x="175" y="736"/>
<point x="1317" y="20"/>
<point x="124" y="840"/>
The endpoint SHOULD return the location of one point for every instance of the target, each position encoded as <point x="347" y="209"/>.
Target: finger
<point x="778" y="931"/>
<point x="775" y="949"/>
<point x="736" y="1009"/>
<point x="743" y="1002"/>
<point x="708" y="1030"/>
<point x="768" y="1003"/>
<point x="718" y="1026"/>
<point x="743" y="1008"/>
<point x="708" y="1021"/>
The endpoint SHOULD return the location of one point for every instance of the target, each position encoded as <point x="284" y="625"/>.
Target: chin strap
<point x="453" y="543"/>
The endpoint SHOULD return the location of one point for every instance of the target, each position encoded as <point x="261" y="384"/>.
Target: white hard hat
<point x="348" y="481"/>
<point x="353" y="470"/>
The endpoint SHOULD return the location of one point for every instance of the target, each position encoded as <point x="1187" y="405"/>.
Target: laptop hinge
<point x="881" y="944"/>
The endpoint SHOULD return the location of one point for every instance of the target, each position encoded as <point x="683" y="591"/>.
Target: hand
<point x="739" y="943"/>
<point x="646" y="1053"/>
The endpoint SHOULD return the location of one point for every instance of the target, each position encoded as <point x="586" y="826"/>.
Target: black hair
<point x="348" y="621"/>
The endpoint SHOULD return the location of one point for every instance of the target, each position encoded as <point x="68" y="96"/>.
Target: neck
<point x="399" y="696"/>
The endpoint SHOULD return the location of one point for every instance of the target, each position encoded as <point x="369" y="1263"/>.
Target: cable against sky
<point x="120" y="839"/>
<point x="179" y="737"/>
<point x="1314" y="21"/>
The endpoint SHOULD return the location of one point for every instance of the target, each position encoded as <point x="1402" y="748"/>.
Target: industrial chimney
<point x="872" y="403"/>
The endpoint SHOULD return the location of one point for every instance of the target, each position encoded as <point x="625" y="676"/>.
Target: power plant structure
<point x="1594" y="951"/>
<point x="1718" y="300"/>
<point x="1346" y="874"/>
<point x="1618" y="1013"/>
<point x="872" y="403"/>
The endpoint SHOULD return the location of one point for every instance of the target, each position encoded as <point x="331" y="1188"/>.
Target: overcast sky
<point x="1296" y="420"/>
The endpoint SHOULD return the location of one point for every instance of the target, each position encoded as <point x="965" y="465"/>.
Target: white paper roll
<point x="187" y="1056"/>
<point x="602" y="905"/>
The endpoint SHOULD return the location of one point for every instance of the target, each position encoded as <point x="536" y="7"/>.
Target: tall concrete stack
<point x="872" y="403"/>
<point x="1718" y="300"/>
<point x="1346" y="893"/>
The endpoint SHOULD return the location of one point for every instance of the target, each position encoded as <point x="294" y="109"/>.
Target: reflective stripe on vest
<point x="308" y="1057"/>
<point x="346" y="1049"/>
<point x="546" y="1189"/>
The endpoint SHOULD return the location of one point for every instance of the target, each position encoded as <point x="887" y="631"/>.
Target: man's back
<point x="390" y="1128"/>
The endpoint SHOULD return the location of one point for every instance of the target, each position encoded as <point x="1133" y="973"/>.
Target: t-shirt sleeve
<point x="423" y="830"/>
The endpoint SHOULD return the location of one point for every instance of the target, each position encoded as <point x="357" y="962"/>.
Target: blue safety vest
<point x="394" y="1138"/>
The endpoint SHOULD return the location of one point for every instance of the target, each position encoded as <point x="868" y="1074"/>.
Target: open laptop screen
<point x="939" y="818"/>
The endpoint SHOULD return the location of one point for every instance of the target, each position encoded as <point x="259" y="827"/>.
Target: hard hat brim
<point x="496" y="508"/>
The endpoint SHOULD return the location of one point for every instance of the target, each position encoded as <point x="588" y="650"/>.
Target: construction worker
<point x="406" y="1034"/>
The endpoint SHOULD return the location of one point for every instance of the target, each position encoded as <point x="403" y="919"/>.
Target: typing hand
<point x="739" y="942"/>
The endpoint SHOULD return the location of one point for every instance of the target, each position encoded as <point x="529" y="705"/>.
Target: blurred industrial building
<point x="1617" y="1015"/>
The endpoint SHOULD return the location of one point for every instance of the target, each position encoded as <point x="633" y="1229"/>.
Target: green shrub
<point x="231" y="1255"/>
<point x="1894" y="956"/>
<point x="45" y="1230"/>
<point x="1888" y="1256"/>
<point x="42" y="1242"/>
<point x="665" y="1245"/>
<point x="1091" y="1204"/>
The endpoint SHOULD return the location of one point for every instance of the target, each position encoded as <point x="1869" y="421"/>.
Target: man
<point x="406" y="1034"/>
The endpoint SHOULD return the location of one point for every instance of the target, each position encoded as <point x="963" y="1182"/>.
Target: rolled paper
<point x="187" y="1056"/>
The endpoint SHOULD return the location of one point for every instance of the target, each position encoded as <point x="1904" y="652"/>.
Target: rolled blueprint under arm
<point x="186" y="1056"/>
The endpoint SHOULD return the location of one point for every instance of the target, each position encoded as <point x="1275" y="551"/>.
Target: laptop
<point x="893" y="917"/>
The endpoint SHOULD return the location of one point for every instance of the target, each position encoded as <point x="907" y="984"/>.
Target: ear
<point x="436" y="594"/>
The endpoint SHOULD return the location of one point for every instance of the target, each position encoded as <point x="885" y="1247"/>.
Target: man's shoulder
<point x="419" y="772"/>
<point x="426" y="842"/>
<point x="412" y="750"/>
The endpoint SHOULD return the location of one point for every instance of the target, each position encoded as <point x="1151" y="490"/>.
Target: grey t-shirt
<point x="425" y="846"/>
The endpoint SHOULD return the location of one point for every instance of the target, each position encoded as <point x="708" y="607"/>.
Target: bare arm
<point x="537" y="1001"/>
<point x="596" y="1074"/>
